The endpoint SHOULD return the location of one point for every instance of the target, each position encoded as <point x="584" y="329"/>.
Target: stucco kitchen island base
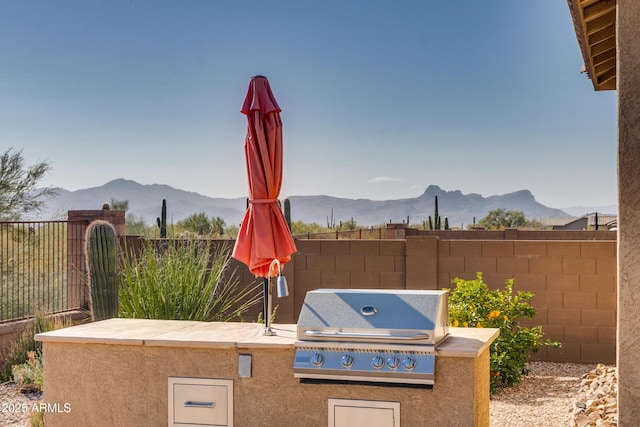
<point x="116" y="372"/>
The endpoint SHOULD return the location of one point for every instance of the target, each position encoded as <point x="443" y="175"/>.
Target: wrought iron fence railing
<point x="36" y="266"/>
<point x="358" y="234"/>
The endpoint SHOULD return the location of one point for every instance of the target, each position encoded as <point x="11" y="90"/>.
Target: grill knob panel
<point x="347" y="361"/>
<point x="317" y="359"/>
<point x="409" y="363"/>
<point x="377" y="362"/>
<point x="393" y="362"/>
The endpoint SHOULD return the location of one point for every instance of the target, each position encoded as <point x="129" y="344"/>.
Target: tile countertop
<point x="462" y="342"/>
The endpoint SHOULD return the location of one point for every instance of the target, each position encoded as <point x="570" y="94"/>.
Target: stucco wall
<point x="628" y="78"/>
<point x="126" y="385"/>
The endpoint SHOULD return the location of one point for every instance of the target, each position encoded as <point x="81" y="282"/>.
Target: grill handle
<point x="369" y="336"/>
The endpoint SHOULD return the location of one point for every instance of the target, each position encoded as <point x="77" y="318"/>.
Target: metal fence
<point x="358" y="234"/>
<point x="35" y="266"/>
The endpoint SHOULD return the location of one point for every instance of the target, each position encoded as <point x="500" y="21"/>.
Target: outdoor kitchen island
<point x="134" y="372"/>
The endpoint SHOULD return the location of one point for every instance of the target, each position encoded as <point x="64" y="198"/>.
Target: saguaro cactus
<point x="162" y="219"/>
<point x="436" y="216"/>
<point x="101" y="254"/>
<point x="436" y="224"/>
<point x="287" y="212"/>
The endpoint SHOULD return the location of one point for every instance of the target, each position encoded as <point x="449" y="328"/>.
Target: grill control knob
<point x="393" y="362"/>
<point x="409" y="364"/>
<point x="347" y="361"/>
<point x="317" y="359"/>
<point x="377" y="362"/>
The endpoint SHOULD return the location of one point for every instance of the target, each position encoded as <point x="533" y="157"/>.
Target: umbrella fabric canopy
<point x="264" y="234"/>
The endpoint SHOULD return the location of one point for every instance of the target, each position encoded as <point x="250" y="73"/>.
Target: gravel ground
<point x="546" y="397"/>
<point x="16" y="407"/>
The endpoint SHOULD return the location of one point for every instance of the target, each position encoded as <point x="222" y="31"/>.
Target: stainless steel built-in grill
<point x="370" y="335"/>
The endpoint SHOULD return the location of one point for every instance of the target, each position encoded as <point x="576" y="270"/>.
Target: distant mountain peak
<point x="146" y="200"/>
<point x="523" y="195"/>
<point x="433" y="190"/>
<point x="120" y="181"/>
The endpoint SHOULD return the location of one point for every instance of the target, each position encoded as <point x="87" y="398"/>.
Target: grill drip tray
<point x="389" y="364"/>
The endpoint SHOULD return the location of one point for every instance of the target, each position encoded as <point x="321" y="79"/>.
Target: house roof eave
<point x="594" y="22"/>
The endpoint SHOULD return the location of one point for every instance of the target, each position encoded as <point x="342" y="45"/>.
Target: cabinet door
<point x="200" y="402"/>
<point x="363" y="413"/>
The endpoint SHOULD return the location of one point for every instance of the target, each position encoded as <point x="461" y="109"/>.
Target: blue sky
<point x="379" y="98"/>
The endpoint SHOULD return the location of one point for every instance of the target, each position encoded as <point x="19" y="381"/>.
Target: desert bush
<point x="25" y="344"/>
<point x="203" y="225"/>
<point x="28" y="376"/>
<point x="188" y="279"/>
<point x="473" y="305"/>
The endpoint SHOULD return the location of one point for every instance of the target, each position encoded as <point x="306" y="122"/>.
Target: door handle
<point x="192" y="404"/>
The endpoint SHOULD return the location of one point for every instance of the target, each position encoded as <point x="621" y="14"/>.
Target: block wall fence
<point x="572" y="275"/>
<point x="574" y="281"/>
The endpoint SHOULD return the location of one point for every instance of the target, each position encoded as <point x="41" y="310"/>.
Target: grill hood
<point x="378" y="315"/>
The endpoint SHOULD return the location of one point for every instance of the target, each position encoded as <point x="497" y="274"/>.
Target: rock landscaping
<point x="597" y="403"/>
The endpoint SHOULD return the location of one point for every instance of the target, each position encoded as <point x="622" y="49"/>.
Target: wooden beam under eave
<point x="605" y="77"/>
<point x="608" y="82"/>
<point x="602" y="35"/>
<point x="585" y="3"/>
<point x="610" y="85"/>
<point x="598" y="9"/>
<point x="603" y="57"/>
<point x="600" y="23"/>
<point x="604" y="66"/>
<point x="598" y="48"/>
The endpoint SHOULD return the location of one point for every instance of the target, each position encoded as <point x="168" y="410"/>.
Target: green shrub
<point x="18" y="352"/>
<point x="187" y="279"/>
<point x="472" y="304"/>
<point x="28" y="375"/>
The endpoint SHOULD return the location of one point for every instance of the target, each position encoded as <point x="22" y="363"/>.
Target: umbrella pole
<point x="267" y="306"/>
<point x="265" y="295"/>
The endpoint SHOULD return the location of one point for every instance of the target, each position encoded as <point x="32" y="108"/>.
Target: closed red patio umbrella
<point x="264" y="237"/>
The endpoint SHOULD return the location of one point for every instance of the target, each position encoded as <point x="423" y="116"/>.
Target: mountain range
<point x="145" y="202"/>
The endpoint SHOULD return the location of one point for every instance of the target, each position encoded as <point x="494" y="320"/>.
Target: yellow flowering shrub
<point x="472" y="304"/>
